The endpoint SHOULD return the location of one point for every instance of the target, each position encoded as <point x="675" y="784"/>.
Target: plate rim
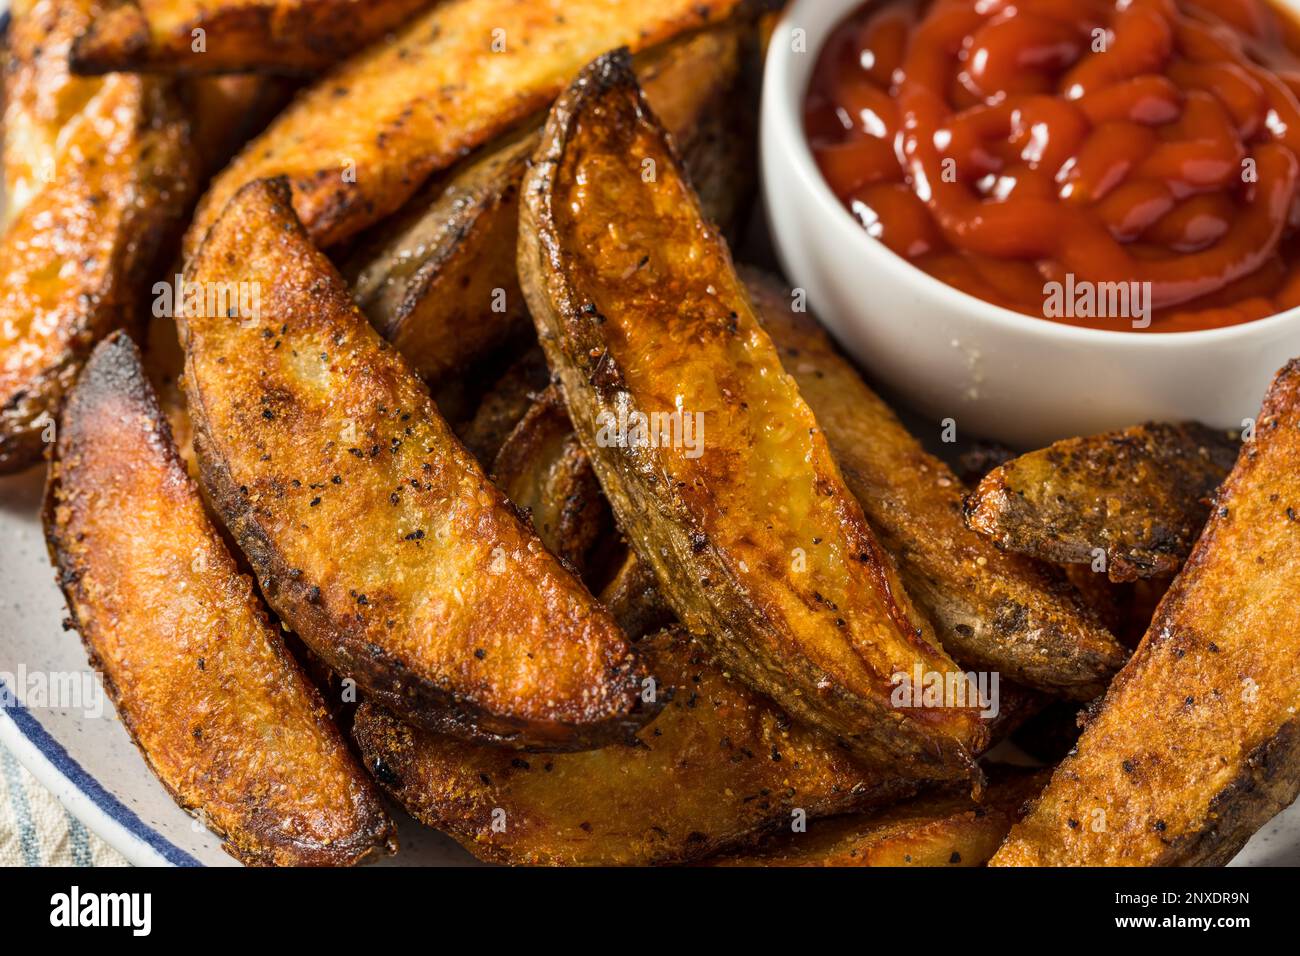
<point x="80" y="792"/>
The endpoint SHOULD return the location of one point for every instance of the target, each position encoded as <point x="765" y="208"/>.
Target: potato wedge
<point x="1139" y="497"/>
<point x="940" y="829"/>
<point x="201" y="680"/>
<point x="991" y="610"/>
<point x="229" y="110"/>
<point x="373" y="532"/>
<point x="505" y="404"/>
<point x="232" y="36"/>
<point x="98" y="174"/>
<point x="1197" y="743"/>
<point x="441" y="283"/>
<point x="360" y="142"/>
<point x="632" y="596"/>
<point x="754" y="539"/>
<point x="719" y="763"/>
<point x="543" y="469"/>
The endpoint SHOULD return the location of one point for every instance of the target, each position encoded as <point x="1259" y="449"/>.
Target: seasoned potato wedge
<point x="632" y="596"/>
<point x="1197" y="743"/>
<point x="232" y="36"/>
<point x="373" y="532"/>
<point x="361" y="141"/>
<point x="940" y="829"/>
<point x="440" y="282"/>
<point x="228" y="110"/>
<point x="755" y="540"/>
<point x="505" y="404"/>
<point x="991" y="610"/>
<point x="1139" y="497"/>
<point x="201" y="680"/>
<point x="543" y="469"/>
<point x="719" y="763"/>
<point x="97" y="176"/>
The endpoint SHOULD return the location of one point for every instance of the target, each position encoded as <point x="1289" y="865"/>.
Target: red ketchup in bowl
<point x="1036" y="153"/>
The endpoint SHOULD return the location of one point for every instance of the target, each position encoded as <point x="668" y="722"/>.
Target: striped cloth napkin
<point x="35" y="830"/>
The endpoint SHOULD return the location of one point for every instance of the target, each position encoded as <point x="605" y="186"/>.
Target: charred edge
<point x="117" y="39"/>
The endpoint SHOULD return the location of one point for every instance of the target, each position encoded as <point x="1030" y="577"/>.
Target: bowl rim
<point x="785" y="81"/>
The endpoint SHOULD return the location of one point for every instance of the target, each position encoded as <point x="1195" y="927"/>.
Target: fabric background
<point x="35" y="830"/>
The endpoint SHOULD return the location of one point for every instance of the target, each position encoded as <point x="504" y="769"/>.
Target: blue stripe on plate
<point x="56" y="754"/>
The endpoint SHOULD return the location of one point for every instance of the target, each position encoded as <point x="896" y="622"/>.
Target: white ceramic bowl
<point x="999" y="374"/>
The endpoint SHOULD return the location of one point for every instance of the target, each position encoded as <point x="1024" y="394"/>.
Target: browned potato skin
<point x="403" y="110"/>
<point x="200" y="679"/>
<point x="429" y="281"/>
<point x="632" y="596"/>
<point x="1197" y="743"/>
<point x="97" y="175"/>
<point x="634" y="293"/>
<point x="543" y="469"/>
<point x="1141" y="494"/>
<point x="939" y="830"/>
<point x="268" y="36"/>
<point x="228" y="110"/>
<point x="373" y="532"/>
<point x="991" y="610"/>
<point x="505" y="405"/>
<point x="719" y="763"/>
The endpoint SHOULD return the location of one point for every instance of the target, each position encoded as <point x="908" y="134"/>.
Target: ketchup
<point x="1009" y="147"/>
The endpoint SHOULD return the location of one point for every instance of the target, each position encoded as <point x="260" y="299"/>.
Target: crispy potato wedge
<point x="542" y="468"/>
<point x="361" y="141"/>
<point x="232" y="36"/>
<point x="1197" y="743"/>
<point x="229" y="110"/>
<point x="939" y="829"/>
<point x="201" y="680"/>
<point x="754" y="539"/>
<point x="98" y="174"/>
<point x="373" y="532"/>
<point x="991" y="611"/>
<point x="632" y="596"/>
<point x="505" y="404"/>
<point x="440" y="282"/>
<point x="1140" y="496"/>
<point x="719" y="763"/>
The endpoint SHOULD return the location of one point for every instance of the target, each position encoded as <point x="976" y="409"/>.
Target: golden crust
<point x="97" y="175"/>
<point x="755" y="540"/>
<point x="373" y="532"/>
<point x="719" y="763"/>
<point x="940" y="829"/>
<point x="1197" y="743"/>
<point x="401" y="111"/>
<point x="1140" y="495"/>
<point x="270" y="36"/>
<point x="991" y="610"/>
<point x="205" y="687"/>
<point x="440" y="281"/>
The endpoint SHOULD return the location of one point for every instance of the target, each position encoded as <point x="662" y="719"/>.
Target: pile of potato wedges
<point x="413" y="435"/>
